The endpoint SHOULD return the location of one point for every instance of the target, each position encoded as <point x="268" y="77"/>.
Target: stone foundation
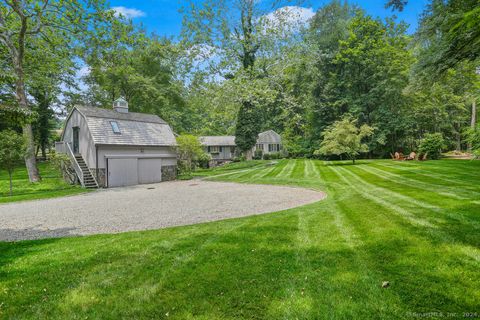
<point x="169" y="173"/>
<point x="100" y="176"/>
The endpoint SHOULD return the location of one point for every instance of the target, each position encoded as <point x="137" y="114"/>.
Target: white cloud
<point x="129" y="13"/>
<point x="292" y="16"/>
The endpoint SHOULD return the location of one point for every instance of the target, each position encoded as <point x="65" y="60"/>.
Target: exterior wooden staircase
<point x="88" y="179"/>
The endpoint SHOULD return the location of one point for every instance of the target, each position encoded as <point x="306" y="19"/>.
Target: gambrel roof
<point x="269" y="136"/>
<point x="135" y="128"/>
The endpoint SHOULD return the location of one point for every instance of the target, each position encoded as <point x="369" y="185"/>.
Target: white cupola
<point x="120" y="105"/>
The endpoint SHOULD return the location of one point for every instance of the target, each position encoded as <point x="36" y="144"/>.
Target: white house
<point x="110" y="148"/>
<point x="223" y="148"/>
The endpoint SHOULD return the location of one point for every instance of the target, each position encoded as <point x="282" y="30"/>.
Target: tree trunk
<point x="248" y="155"/>
<point x="10" y="176"/>
<point x="44" y="151"/>
<point x="353" y="160"/>
<point x="30" y="160"/>
<point x="474" y="114"/>
<point x="459" y="141"/>
<point x="473" y="122"/>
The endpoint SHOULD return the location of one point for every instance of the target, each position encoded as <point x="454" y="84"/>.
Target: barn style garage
<point x="112" y="148"/>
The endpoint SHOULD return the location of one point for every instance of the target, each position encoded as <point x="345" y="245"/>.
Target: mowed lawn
<point x="52" y="184"/>
<point x="414" y="224"/>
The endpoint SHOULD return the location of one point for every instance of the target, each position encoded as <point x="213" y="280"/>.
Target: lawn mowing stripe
<point x="287" y="170"/>
<point x="307" y="169"/>
<point x="182" y="259"/>
<point x="467" y="250"/>
<point x="248" y="175"/>
<point x="434" y="175"/>
<point x="372" y="195"/>
<point x="454" y="216"/>
<point x="437" y="179"/>
<point x="265" y="171"/>
<point x="268" y="171"/>
<point x="278" y="168"/>
<point x="433" y="167"/>
<point x="302" y="241"/>
<point x="316" y="171"/>
<point x="398" y="179"/>
<point x="319" y="283"/>
<point x="394" y="194"/>
<point x="311" y="170"/>
<point x="298" y="171"/>
<point x="227" y="174"/>
<point x="346" y="230"/>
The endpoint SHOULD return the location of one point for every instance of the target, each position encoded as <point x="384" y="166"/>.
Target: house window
<point x="259" y="147"/>
<point x="115" y="127"/>
<point x="273" y="147"/>
<point x="214" y="149"/>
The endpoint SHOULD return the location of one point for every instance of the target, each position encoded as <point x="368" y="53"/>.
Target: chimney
<point x="120" y="105"/>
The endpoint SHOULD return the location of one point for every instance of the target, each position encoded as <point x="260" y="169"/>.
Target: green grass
<point x="414" y="224"/>
<point x="52" y="185"/>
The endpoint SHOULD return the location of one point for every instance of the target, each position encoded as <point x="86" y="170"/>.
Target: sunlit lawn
<point x="414" y="224"/>
<point x="52" y="185"/>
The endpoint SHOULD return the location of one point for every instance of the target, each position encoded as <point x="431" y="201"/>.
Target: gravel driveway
<point x="145" y="207"/>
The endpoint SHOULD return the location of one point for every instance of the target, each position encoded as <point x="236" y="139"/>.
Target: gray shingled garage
<point x="119" y="147"/>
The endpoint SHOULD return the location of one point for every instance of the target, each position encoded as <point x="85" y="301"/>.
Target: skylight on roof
<point x="115" y="127"/>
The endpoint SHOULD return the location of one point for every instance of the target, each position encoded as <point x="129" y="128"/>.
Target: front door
<point x="75" y="140"/>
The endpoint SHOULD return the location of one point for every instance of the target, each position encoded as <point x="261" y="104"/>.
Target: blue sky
<point x="163" y="18"/>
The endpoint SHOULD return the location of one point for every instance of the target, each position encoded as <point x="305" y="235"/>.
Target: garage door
<point x="122" y="172"/>
<point x="149" y="170"/>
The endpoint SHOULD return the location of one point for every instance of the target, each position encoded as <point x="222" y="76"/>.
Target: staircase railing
<point x="75" y="164"/>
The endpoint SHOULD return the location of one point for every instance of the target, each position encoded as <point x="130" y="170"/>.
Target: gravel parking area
<point x="145" y="207"/>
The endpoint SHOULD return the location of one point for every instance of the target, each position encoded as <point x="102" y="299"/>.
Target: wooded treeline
<point x="241" y="67"/>
<point x="347" y="63"/>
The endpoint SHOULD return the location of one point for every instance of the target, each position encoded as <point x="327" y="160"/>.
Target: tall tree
<point x="27" y="26"/>
<point x="365" y="75"/>
<point x="449" y="34"/>
<point x="237" y="33"/>
<point x="328" y="28"/>
<point x="144" y="71"/>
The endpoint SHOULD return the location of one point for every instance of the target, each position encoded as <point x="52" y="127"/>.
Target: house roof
<point x="269" y="136"/>
<point x="135" y="128"/>
<point x="217" y="140"/>
<point x="112" y="114"/>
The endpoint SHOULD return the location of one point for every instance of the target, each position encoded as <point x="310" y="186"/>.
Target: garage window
<point x="115" y="127"/>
